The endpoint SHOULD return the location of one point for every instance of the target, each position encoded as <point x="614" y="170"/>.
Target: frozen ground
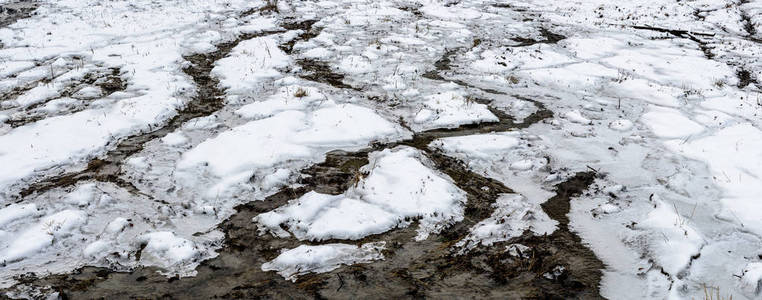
<point x="366" y="137"/>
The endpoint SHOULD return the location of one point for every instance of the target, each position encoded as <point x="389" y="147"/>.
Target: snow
<point x="322" y="258"/>
<point x="734" y="158"/>
<point x="41" y="235"/>
<point x="679" y="241"/>
<point x="479" y="146"/>
<point x="752" y="276"/>
<point x="290" y="130"/>
<point x="664" y="117"/>
<point x="117" y="225"/>
<point x="669" y="123"/>
<point x="451" y="109"/>
<point x="621" y="125"/>
<point x="251" y="62"/>
<point x="174" y="139"/>
<point x="164" y="248"/>
<point x="109" y="36"/>
<point x="82" y="196"/>
<point x="95" y="249"/>
<point x="14" y="212"/>
<point x="576" y="117"/>
<point x="512" y="216"/>
<point x="398" y="186"/>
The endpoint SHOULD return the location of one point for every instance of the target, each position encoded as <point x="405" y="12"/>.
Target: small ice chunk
<point x="95" y="249"/>
<point x="518" y="250"/>
<point x="165" y="249"/>
<point x="88" y="92"/>
<point x="752" y="277"/>
<point x="522" y="165"/>
<point x="117" y="225"/>
<point x="14" y="212"/>
<point x="478" y="146"/>
<point x="575" y="116"/>
<point x="83" y="195"/>
<point x="513" y="215"/>
<point x="398" y="186"/>
<point x="621" y="125"/>
<point x="322" y="258"/>
<point x="42" y="234"/>
<point x="174" y="139"/>
<point x="669" y="123"/>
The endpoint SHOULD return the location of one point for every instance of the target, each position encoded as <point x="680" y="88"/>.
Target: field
<point x="381" y="149"/>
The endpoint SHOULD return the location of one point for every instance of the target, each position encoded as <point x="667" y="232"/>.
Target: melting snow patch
<point x="399" y="186"/>
<point x="322" y="258"/>
<point x="512" y="216"/>
<point x="165" y="249"/>
<point x="451" y="109"/>
<point x="669" y="123"/>
<point x="14" y="212"/>
<point x="734" y="156"/>
<point x="294" y="132"/>
<point x="41" y="235"/>
<point x="479" y="146"/>
<point x="249" y="63"/>
<point x="575" y="116"/>
<point x="174" y="139"/>
<point x="675" y="241"/>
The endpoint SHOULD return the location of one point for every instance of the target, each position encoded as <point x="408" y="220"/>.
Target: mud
<point x="308" y="32"/>
<point x="270" y="7"/>
<point x="748" y="24"/>
<point x="430" y="268"/>
<point x="415" y="10"/>
<point x="744" y="78"/>
<point x="548" y="38"/>
<point x="311" y="69"/>
<point x="16" y="10"/>
<point x="441" y="65"/>
<point x="318" y="71"/>
<point x="685" y="34"/>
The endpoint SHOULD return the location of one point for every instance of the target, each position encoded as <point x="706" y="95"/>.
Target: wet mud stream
<point x="429" y="268"/>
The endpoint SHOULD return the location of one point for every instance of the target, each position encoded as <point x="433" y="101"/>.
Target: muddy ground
<point x="15" y="10"/>
<point x="411" y="269"/>
<point x="556" y="266"/>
